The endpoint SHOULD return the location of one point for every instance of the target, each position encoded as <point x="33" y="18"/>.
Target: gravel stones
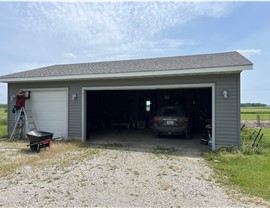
<point x="118" y="178"/>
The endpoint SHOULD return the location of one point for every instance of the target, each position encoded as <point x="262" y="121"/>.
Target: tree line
<point x="253" y="105"/>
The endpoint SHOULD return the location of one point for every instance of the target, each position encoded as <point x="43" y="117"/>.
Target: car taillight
<point x="186" y="120"/>
<point x="155" y="120"/>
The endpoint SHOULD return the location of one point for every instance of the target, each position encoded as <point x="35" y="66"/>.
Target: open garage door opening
<point x="129" y="110"/>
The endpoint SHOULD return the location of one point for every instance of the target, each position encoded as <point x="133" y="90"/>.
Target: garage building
<point x="74" y="100"/>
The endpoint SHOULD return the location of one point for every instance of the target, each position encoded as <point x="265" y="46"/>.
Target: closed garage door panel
<point x="49" y="110"/>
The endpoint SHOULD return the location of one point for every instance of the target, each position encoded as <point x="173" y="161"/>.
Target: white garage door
<point x="50" y="111"/>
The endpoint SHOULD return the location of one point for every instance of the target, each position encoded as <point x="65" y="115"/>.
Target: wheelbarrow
<point x="40" y="139"/>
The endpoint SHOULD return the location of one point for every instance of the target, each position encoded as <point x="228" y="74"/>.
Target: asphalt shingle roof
<point x="227" y="59"/>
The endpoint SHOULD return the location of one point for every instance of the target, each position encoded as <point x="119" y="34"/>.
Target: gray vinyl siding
<point x="75" y="112"/>
<point x="227" y="111"/>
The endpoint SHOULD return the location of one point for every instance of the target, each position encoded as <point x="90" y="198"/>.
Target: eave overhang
<point x="124" y="75"/>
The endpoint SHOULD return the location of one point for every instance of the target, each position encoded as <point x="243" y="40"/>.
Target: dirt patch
<point x="254" y="124"/>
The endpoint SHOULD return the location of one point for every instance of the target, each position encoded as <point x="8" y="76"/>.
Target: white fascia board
<point x="181" y="72"/>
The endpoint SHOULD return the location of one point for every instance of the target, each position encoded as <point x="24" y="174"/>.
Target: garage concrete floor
<point x="144" y="140"/>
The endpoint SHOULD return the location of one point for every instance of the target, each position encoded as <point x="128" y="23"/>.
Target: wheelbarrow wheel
<point x="34" y="147"/>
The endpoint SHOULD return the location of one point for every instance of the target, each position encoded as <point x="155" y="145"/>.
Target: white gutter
<point x="216" y="70"/>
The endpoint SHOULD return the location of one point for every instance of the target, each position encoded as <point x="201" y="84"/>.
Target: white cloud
<point x="213" y="9"/>
<point x="117" y="28"/>
<point x="249" y="52"/>
<point x="70" y="55"/>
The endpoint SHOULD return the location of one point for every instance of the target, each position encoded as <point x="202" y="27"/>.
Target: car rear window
<point x="171" y="111"/>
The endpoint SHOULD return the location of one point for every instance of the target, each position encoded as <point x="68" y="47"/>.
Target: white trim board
<point x="150" y="87"/>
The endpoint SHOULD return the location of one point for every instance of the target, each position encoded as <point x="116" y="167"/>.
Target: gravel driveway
<point x="118" y="178"/>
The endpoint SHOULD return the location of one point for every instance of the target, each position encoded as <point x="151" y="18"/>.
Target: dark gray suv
<point x="172" y="120"/>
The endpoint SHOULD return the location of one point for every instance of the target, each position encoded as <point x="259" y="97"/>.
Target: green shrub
<point x="249" y="143"/>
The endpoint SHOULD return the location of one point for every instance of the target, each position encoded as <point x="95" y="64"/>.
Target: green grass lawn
<point x="250" y="113"/>
<point x="3" y="122"/>
<point x="249" y="173"/>
<point x="255" y="109"/>
<point x="248" y="168"/>
<point x="249" y="116"/>
<point x="3" y="113"/>
<point x="3" y="131"/>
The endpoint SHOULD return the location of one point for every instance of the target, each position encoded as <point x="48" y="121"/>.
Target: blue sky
<point x="36" y="34"/>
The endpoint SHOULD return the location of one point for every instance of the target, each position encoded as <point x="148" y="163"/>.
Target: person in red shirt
<point x="20" y="102"/>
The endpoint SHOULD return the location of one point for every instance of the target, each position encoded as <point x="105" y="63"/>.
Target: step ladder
<point x="23" y="124"/>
